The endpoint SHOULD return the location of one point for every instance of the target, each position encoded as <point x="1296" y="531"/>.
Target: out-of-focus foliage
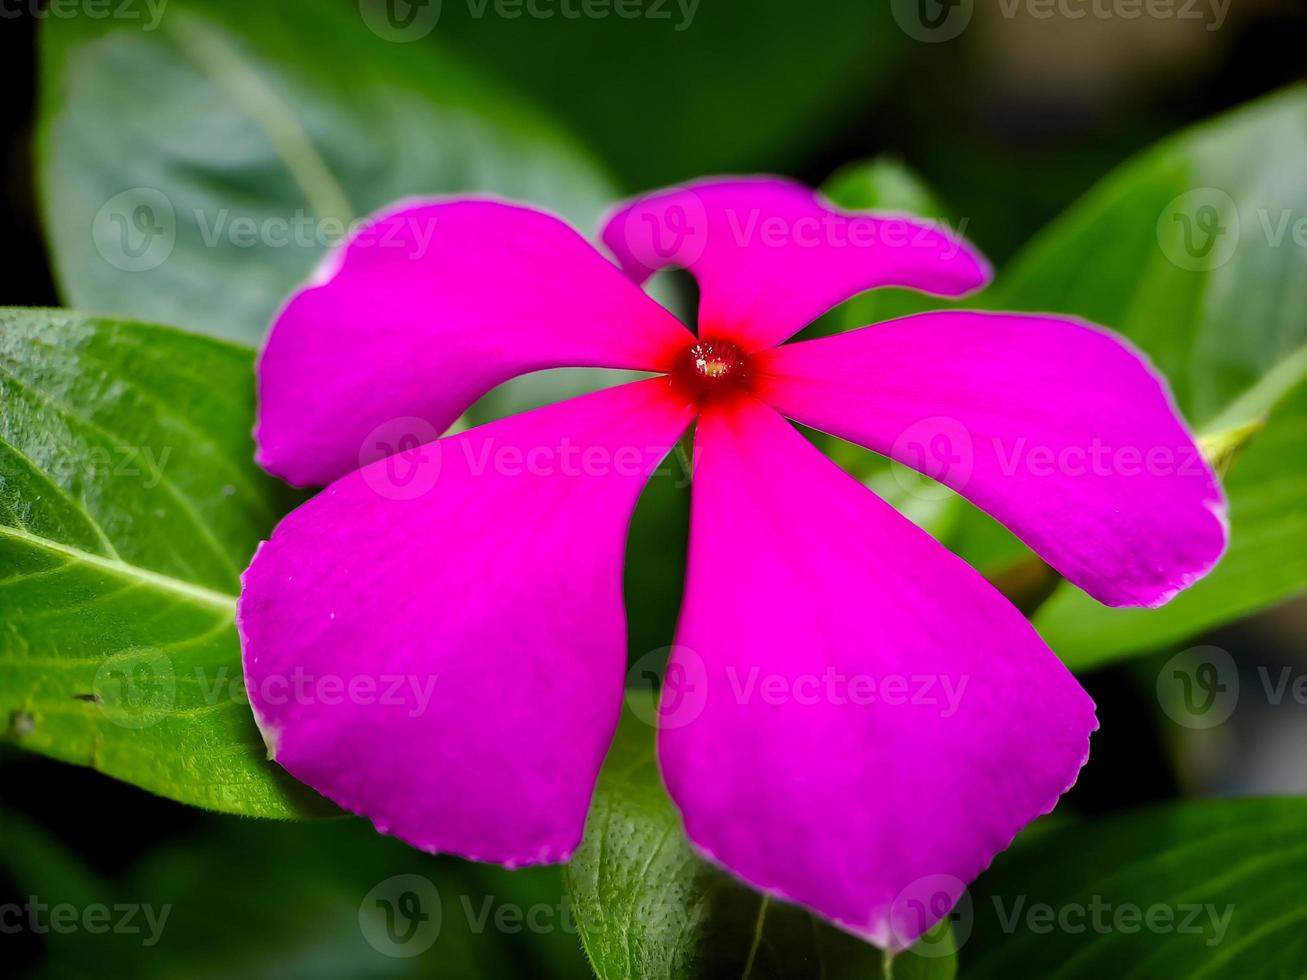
<point x="677" y="89"/>
<point x="1212" y="889"/>
<point x="194" y="174"/>
<point x="1192" y="251"/>
<point x="330" y="899"/>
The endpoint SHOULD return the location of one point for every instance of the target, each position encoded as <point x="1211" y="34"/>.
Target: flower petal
<point x="771" y="257"/>
<point x="437" y="641"/>
<point x="868" y="722"/>
<point x="1053" y="426"/>
<point x="429" y="306"/>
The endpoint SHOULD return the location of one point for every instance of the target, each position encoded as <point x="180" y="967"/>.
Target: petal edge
<point x="1054" y="426"/>
<point x="815" y="763"/>
<point x="426" y="307"/>
<point x="437" y="642"/>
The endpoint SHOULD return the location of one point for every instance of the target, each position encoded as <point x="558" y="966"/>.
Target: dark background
<point x="1041" y="109"/>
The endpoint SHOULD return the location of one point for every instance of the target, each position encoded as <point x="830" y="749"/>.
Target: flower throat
<point x="711" y="370"/>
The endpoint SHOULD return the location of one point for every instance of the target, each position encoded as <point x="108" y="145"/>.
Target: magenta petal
<point x="425" y="309"/>
<point x="771" y="257"/>
<point x="437" y="641"/>
<point x="862" y="721"/>
<point x="1053" y="426"/>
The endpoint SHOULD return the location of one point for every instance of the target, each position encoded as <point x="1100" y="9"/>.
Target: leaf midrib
<point x="183" y="499"/>
<point x="1263" y="396"/>
<point x="202" y="42"/>
<point x="194" y="593"/>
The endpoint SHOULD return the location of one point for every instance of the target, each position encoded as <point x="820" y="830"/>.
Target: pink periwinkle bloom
<point x="465" y="597"/>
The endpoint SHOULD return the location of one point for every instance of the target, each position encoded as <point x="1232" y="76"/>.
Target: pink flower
<point x="437" y="640"/>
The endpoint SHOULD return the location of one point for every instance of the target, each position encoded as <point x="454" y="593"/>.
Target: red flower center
<point x="711" y="369"/>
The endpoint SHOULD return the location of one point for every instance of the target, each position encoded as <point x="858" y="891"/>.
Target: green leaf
<point x="33" y="859"/>
<point x="193" y="173"/>
<point x="1216" y="310"/>
<point x="649" y="907"/>
<point x="1266" y="562"/>
<point x="129" y="504"/>
<point x="670" y="91"/>
<point x="883" y="184"/>
<point x="256" y="899"/>
<point x="1226" y="325"/>
<point x="1222" y="314"/>
<point x="940" y="964"/>
<point x="1211" y="889"/>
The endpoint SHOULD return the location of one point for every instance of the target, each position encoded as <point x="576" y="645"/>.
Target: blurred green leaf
<point x="669" y="91"/>
<point x="941" y="964"/>
<point x="1266" y="562"/>
<point x="289" y="901"/>
<point x="883" y="184"/>
<point x="1197" y="252"/>
<point x="1181" y="251"/>
<point x="1190" y="252"/>
<point x="649" y="907"/>
<point x="1211" y="889"/>
<point x="32" y="858"/>
<point x="129" y="504"/>
<point x="193" y="172"/>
